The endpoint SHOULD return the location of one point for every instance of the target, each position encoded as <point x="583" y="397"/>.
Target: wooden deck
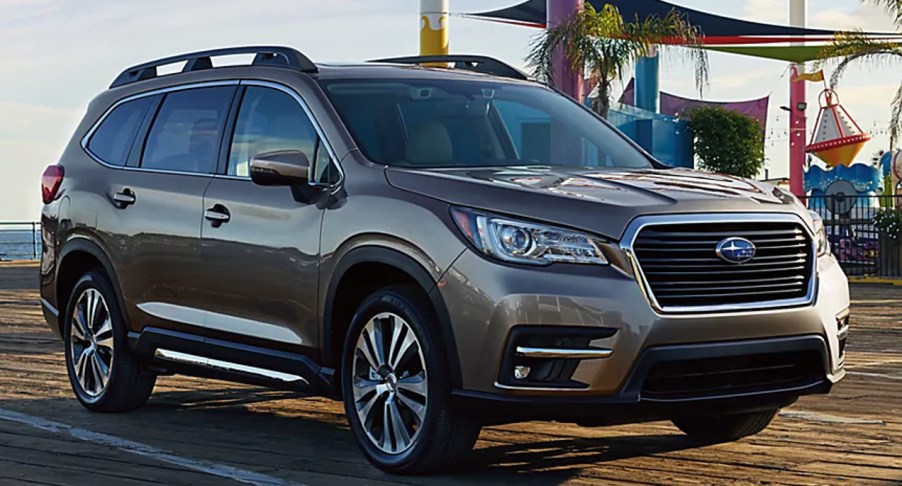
<point x="197" y="431"/>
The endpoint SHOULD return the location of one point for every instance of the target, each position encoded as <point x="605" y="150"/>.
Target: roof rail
<point x="263" y="56"/>
<point x="479" y="64"/>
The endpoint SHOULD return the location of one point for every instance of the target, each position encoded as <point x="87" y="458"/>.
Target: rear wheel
<point x="725" y="428"/>
<point x="104" y="374"/>
<point x="396" y="385"/>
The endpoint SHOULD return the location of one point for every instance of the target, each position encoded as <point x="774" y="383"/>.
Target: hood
<point x="602" y="201"/>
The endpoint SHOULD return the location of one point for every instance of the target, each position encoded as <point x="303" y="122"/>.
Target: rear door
<point x="260" y="245"/>
<point x="159" y="205"/>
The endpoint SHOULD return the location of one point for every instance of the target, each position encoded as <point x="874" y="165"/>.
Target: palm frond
<point x="855" y="46"/>
<point x="895" y="121"/>
<point x="604" y="45"/>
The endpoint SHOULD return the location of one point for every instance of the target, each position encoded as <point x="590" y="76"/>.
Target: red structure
<point x="563" y="76"/>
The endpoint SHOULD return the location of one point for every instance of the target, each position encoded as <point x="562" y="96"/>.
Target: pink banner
<point x="677" y="105"/>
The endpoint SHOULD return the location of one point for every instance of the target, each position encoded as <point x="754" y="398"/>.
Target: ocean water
<point x="18" y="243"/>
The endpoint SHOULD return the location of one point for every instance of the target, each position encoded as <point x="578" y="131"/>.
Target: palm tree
<point x="853" y="46"/>
<point x="602" y="45"/>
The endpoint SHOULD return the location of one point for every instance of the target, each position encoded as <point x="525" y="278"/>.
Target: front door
<point x="261" y="246"/>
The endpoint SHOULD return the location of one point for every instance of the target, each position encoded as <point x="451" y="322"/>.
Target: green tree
<point x="603" y="46"/>
<point x="854" y="46"/>
<point x="726" y="141"/>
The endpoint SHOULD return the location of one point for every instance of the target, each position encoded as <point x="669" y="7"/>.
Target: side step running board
<point x="181" y="352"/>
<point x="169" y="355"/>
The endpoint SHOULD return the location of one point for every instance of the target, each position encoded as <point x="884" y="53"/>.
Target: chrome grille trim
<point x="750" y="269"/>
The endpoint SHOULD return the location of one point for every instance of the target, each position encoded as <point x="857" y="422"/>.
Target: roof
<point x="463" y="66"/>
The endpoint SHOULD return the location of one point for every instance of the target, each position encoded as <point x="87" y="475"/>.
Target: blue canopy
<point x="534" y="12"/>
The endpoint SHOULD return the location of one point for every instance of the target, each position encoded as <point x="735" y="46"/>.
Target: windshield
<point x="455" y="123"/>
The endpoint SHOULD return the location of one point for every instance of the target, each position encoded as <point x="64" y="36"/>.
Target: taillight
<point x="50" y="182"/>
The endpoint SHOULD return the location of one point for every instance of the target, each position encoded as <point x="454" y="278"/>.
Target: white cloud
<point x="21" y="167"/>
<point x="865" y="17"/>
<point x="31" y="138"/>
<point x="768" y="11"/>
<point x="26" y="120"/>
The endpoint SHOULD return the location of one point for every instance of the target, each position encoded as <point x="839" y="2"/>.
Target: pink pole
<point x="565" y="79"/>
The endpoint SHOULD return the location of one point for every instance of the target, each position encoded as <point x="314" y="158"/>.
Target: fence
<point x="862" y="247"/>
<point x="20" y="241"/>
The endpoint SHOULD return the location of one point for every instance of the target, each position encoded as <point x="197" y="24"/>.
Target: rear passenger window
<point x="112" y="140"/>
<point x="187" y="130"/>
<point x="269" y="120"/>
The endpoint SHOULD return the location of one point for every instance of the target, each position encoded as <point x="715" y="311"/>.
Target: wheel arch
<point x="78" y="256"/>
<point x="334" y="328"/>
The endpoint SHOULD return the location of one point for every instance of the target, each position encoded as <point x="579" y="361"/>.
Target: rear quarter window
<point x="113" y="138"/>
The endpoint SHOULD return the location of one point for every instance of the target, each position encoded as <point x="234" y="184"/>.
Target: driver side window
<point x="269" y="120"/>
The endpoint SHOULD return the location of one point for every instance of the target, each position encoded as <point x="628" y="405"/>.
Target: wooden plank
<point x="825" y="439"/>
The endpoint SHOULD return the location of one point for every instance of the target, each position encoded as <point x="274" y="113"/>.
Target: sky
<point x="56" y="55"/>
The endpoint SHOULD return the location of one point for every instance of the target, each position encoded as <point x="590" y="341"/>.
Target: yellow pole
<point x="433" y="27"/>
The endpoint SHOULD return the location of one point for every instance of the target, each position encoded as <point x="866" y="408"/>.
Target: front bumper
<point x="632" y="404"/>
<point x="487" y="301"/>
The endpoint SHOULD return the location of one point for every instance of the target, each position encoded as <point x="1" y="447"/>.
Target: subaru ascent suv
<point x="441" y="248"/>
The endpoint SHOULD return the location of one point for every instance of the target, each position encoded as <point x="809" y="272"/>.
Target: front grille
<point x="712" y="377"/>
<point x="682" y="268"/>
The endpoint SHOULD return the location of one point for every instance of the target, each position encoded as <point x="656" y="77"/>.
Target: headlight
<point x="820" y="234"/>
<point x="530" y="243"/>
<point x="787" y="196"/>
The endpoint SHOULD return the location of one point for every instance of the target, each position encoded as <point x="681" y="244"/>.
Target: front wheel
<point x="725" y="428"/>
<point x="396" y="385"/>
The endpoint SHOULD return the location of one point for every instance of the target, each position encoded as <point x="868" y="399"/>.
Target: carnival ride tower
<point x="837" y="139"/>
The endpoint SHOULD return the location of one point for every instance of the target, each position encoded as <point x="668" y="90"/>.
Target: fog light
<point x="521" y="372"/>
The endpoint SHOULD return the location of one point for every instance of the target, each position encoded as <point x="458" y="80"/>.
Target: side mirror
<point x="280" y="168"/>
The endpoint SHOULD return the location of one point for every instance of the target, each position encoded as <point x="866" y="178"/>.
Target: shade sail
<point x="674" y="105"/>
<point x="793" y="54"/>
<point x="533" y="12"/>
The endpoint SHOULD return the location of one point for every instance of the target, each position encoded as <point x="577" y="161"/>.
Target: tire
<point x="725" y="428"/>
<point x="439" y="437"/>
<point x="124" y="387"/>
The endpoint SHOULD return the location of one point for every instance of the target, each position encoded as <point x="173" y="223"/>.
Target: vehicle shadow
<point x="262" y="429"/>
<point x="20" y="344"/>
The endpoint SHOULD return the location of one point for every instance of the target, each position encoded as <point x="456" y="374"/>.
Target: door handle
<point x="124" y="198"/>
<point x="218" y="214"/>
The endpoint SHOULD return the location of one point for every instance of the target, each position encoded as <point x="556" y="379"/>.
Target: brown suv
<point x="441" y="248"/>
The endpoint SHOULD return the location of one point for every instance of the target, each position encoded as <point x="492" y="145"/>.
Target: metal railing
<point x="20" y="240"/>
<point x="862" y="246"/>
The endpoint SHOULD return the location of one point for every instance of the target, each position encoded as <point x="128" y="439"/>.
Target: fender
<point x="394" y="258"/>
<point x="86" y="245"/>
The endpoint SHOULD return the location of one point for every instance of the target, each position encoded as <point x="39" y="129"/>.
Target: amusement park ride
<point x="837" y="140"/>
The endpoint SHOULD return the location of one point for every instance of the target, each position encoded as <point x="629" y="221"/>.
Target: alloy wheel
<point x="390" y="386"/>
<point x="91" y="342"/>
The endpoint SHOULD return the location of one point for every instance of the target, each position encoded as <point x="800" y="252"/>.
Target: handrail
<point x="33" y="243"/>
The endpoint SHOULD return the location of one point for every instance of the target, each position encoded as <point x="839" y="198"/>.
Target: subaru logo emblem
<point x="736" y="250"/>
